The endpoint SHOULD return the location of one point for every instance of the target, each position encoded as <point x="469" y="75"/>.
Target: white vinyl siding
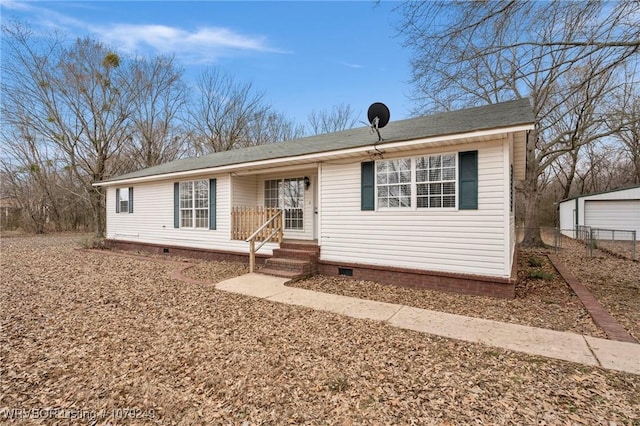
<point x="567" y="213"/>
<point x="465" y="241"/>
<point x="153" y="221"/>
<point x="245" y="191"/>
<point x="510" y="208"/>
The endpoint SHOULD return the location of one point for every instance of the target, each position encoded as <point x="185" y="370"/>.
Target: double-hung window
<point x="393" y="178"/>
<point x="124" y="200"/>
<point x="436" y="181"/>
<point x="194" y="204"/>
<point x="421" y="182"/>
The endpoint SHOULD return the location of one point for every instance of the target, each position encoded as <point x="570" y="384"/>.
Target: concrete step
<point x="287" y="253"/>
<point x="283" y="274"/>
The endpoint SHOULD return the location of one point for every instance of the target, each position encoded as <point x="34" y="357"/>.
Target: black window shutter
<point x="176" y="205"/>
<point x="212" y="204"/>
<point x="131" y="199"/>
<point x="117" y="200"/>
<point x="367" y="186"/>
<point x="468" y="184"/>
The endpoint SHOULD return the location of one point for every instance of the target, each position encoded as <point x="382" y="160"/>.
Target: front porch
<point x="257" y="196"/>
<point x="294" y="259"/>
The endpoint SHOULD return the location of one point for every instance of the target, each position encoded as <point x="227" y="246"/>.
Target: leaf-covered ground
<point x="614" y="281"/>
<point x="543" y="299"/>
<point x="103" y="333"/>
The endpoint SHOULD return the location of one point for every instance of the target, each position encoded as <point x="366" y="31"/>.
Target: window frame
<point x="414" y="183"/>
<point x="279" y="189"/>
<point x="123" y="192"/>
<point x="399" y="176"/>
<point x="441" y="168"/>
<point x="198" y="215"/>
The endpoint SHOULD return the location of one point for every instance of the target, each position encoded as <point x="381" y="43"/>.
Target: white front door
<point x="289" y="194"/>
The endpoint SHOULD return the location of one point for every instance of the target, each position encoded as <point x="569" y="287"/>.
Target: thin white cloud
<point x="11" y="5"/>
<point x="351" y="65"/>
<point x="202" y="45"/>
<point x="43" y="17"/>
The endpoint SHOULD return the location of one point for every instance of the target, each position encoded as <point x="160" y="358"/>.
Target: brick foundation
<point x="475" y="285"/>
<point x="190" y="252"/>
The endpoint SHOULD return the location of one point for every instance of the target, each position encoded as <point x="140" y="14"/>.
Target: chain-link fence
<point x="613" y="241"/>
<point x="616" y="241"/>
<point x="552" y="237"/>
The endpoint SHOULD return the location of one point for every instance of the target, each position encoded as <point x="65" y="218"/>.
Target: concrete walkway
<point x="620" y="356"/>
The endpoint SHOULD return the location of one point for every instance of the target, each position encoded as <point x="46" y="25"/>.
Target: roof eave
<point x="599" y="193"/>
<point x="317" y="156"/>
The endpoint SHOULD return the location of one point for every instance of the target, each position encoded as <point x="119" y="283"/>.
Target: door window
<point x="287" y="194"/>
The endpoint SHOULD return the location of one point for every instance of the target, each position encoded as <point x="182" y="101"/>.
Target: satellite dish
<point x="378" y="111"/>
<point x="378" y="115"/>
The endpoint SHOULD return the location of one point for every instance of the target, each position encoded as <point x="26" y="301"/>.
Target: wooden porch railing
<point x="245" y="221"/>
<point x="256" y="224"/>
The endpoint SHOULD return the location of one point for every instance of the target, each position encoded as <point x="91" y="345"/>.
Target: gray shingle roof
<point x="504" y="114"/>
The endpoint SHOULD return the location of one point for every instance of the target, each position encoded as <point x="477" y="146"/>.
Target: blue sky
<point x="303" y="55"/>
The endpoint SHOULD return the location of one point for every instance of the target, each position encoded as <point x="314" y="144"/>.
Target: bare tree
<point x="23" y="188"/>
<point x="77" y="98"/>
<point x="624" y="121"/>
<point x="471" y="53"/>
<point x="80" y="112"/>
<point x="340" y="117"/>
<point x="159" y="98"/>
<point x="40" y="183"/>
<point x="226" y="113"/>
<point x="273" y="127"/>
<point x="581" y="121"/>
<point x="30" y="168"/>
<point x="564" y="171"/>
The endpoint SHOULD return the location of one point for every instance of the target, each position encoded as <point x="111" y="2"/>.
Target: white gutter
<point x="314" y="156"/>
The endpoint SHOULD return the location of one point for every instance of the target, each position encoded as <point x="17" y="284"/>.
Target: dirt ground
<point x="114" y="340"/>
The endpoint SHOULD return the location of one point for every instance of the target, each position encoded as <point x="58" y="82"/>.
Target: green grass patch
<point x="535" y="262"/>
<point x="538" y="274"/>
